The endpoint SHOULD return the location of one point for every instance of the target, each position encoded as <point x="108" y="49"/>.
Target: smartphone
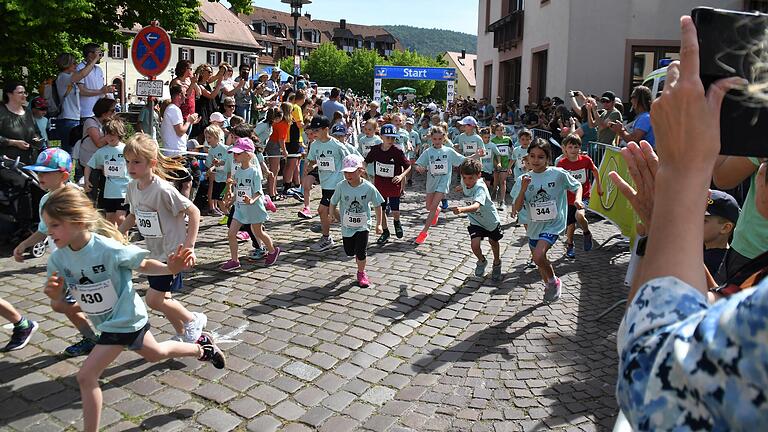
<point x="732" y="43"/>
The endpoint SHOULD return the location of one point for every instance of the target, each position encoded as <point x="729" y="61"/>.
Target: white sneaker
<point x="323" y="244"/>
<point x="194" y="328"/>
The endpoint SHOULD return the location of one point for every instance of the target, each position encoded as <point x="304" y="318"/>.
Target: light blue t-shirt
<point x="489" y="160"/>
<point x="439" y="164"/>
<point x="486" y="216"/>
<point x="263" y="130"/>
<point x="415" y="140"/>
<point x="99" y="277"/>
<point x="518" y="153"/>
<point x="219" y="152"/>
<point x="643" y="122"/>
<point x="111" y="161"/>
<point x="247" y="182"/>
<point x="43" y="124"/>
<point x="328" y="155"/>
<point x="365" y="144"/>
<point x="547" y="200"/>
<point x="403" y="137"/>
<point x="522" y="215"/>
<point x="469" y="144"/>
<point x="354" y="205"/>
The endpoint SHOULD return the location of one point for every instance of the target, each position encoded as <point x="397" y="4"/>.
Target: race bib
<point x="580" y="175"/>
<point x="438" y="167"/>
<point x="503" y="150"/>
<point x="544" y="211"/>
<point x="114" y="168"/>
<point x="96" y="299"/>
<point x="366" y="149"/>
<point x="355" y="220"/>
<point x="325" y="163"/>
<point x="486" y="160"/>
<point x="148" y="224"/>
<point x="385" y="170"/>
<point x="242" y="192"/>
<point x="470" y="148"/>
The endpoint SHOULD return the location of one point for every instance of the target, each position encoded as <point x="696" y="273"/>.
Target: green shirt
<point x="751" y="234"/>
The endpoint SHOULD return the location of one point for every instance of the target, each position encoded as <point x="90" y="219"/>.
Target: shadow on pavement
<point x="303" y="297"/>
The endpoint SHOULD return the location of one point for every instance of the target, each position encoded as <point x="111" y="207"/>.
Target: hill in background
<point x="431" y="42"/>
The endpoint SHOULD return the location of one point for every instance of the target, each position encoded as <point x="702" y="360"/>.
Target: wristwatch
<point x="642" y="242"/>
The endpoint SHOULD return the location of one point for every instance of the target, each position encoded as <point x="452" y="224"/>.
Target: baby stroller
<point x="20" y="195"/>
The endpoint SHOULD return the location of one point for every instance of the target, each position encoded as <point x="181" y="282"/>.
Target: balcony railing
<point x="508" y="31"/>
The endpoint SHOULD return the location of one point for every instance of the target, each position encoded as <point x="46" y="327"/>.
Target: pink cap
<point x="352" y="163"/>
<point x="242" y="145"/>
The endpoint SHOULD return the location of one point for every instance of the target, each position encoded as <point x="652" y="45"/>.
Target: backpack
<point x="52" y="97"/>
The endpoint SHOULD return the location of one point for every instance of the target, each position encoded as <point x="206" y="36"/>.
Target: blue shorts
<point x="166" y="283"/>
<point x="549" y="238"/>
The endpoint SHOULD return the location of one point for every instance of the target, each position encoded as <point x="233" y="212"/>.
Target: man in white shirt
<point x="173" y="130"/>
<point x="92" y="86"/>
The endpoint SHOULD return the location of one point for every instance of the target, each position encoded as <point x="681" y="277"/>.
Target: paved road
<point x="427" y="347"/>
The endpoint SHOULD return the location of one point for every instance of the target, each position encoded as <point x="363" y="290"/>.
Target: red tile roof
<point x="227" y="28"/>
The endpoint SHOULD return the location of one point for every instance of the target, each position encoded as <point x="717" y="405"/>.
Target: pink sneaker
<point x="269" y="205"/>
<point x="230" y="265"/>
<point x="305" y="213"/>
<point x="362" y="279"/>
<point x="242" y="236"/>
<point x="435" y="220"/>
<point x="271" y="258"/>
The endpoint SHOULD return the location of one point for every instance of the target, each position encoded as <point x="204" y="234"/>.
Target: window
<point x="359" y="43"/>
<point x="210" y="27"/>
<point x="116" y="51"/>
<point x="538" y="76"/>
<point x="645" y="59"/>
<point x="487" y="78"/>
<point x="487" y="14"/>
<point x="230" y="58"/>
<point x="268" y="48"/>
<point x="187" y="54"/>
<point x="213" y="57"/>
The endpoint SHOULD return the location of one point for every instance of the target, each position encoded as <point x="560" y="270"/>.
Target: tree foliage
<point x="35" y="32"/>
<point x="326" y="65"/>
<point x="431" y="42"/>
<point x="359" y="72"/>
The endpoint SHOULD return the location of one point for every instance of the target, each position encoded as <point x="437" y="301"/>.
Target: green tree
<point x="359" y="73"/>
<point x="286" y="64"/>
<point x="410" y="58"/>
<point x="35" y="32"/>
<point x="326" y="65"/>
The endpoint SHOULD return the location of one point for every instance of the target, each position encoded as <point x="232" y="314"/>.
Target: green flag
<point x="613" y="205"/>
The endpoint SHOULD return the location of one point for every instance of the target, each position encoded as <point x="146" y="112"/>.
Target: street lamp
<point x="296" y="6"/>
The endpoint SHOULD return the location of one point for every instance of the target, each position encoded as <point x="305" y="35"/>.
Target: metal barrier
<point x="596" y="151"/>
<point x="541" y="133"/>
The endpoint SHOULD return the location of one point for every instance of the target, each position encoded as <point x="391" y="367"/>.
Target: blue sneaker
<point x="444" y="204"/>
<point x="587" y="241"/>
<point x="569" y="252"/>
<point x="480" y="268"/>
<point x="257" y="254"/>
<point x="84" y="347"/>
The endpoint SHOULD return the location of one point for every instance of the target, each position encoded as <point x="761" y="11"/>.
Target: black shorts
<point x="166" y="283"/>
<point x="314" y="173"/>
<point x="133" y="340"/>
<point x="571" y="218"/>
<point x="218" y="190"/>
<point x="476" y="231"/>
<point x="111" y="205"/>
<point x="326" y="199"/>
<point x="488" y="177"/>
<point x="356" y="245"/>
<point x="292" y="147"/>
<point x="392" y="202"/>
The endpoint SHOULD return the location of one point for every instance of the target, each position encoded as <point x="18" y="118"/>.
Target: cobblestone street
<point x="428" y="346"/>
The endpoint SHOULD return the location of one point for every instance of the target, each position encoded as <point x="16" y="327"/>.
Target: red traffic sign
<point x="151" y="50"/>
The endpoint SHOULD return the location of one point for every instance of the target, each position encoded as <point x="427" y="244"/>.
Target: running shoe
<point x="398" y="229"/>
<point x="211" y="352"/>
<point x="230" y="265"/>
<point x="502" y="207"/>
<point x="444" y="204"/>
<point x="305" y="213"/>
<point x="553" y="290"/>
<point x="21" y="336"/>
<point x="587" y="241"/>
<point x="569" y="252"/>
<point x="317" y="228"/>
<point x="480" y="268"/>
<point x="269" y="205"/>
<point x="257" y="254"/>
<point x="496" y="272"/>
<point x="217" y="212"/>
<point x="421" y="238"/>
<point x="530" y="265"/>
<point x="323" y="244"/>
<point x="362" y="279"/>
<point x="384" y="237"/>
<point x="436" y="218"/>
<point x="271" y="258"/>
<point x="194" y="328"/>
<point x="84" y="347"/>
<point x="224" y="220"/>
<point x="242" y="236"/>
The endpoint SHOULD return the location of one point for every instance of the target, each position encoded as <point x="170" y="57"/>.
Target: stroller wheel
<point x="38" y="249"/>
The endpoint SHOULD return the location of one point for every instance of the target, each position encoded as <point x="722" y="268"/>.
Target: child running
<point x="438" y="162"/>
<point x="53" y="168"/>
<point x="391" y="168"/>
<point x="109" y="159"/>
<point x="504" y="167"/>
<point x="249" y="204"/>
<point x="96" y="264"/>
<point x="415" y="140"/>
<point x="543" y="190"/>
<point x="327" y="153"/>
<point x="354" y="197"/>
<point x="368" y="139"/>
<point x="216" y="162"/>
<point x="578" y="165"/>
<point x="158" y="210"/>
<point x="483" y="218"/>
<point x="489" y="160"/>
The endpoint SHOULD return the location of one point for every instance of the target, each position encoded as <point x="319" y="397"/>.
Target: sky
<point x="457" y="15"/>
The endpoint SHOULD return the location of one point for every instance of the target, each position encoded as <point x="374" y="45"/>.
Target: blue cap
<point x="389" y="130"/>
<point x="339" y="129"/>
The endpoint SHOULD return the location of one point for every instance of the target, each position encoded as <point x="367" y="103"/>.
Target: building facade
<point x="531" y="49"/>
<point x="221" y="36"/>
<point x="465" y="66"/>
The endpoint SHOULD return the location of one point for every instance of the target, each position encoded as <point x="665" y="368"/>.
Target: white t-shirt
<point x="171" y="118"/>
<point x="92" y="81"/>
